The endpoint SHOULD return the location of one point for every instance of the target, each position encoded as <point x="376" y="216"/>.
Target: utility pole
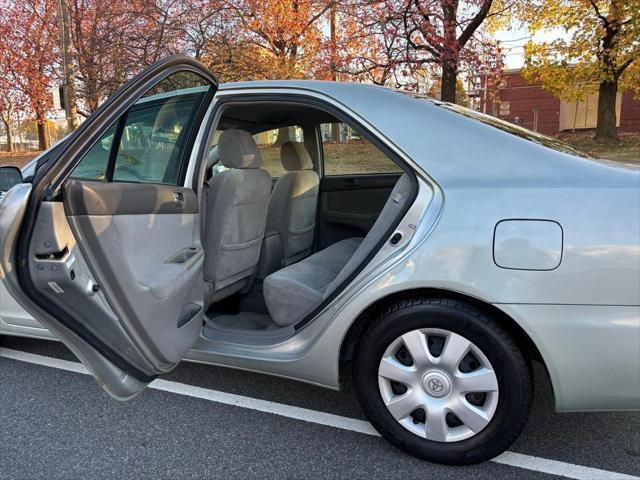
<point x="332" y="35"/>
<point x="335" y="127"/>
<point x="68" y="83"/>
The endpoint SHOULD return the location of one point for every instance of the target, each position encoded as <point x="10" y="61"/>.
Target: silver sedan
<point x="332" y="233"/>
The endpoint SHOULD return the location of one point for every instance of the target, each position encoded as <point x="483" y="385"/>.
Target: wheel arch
<point x="359" y="326"/>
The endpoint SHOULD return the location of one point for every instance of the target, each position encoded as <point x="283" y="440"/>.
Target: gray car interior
<point x="258" y="250"/>
<point x="293" y="292"/>
<point x="237" y="202"/>
<point x="296" y="272"/>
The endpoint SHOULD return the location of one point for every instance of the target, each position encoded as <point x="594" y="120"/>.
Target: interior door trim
<point x="103" y="198"/>
<point x="358" y="181"/>
<point x="48" y="181"/>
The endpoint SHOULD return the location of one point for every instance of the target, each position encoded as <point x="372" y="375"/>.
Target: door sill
<point x="245" y="328"/>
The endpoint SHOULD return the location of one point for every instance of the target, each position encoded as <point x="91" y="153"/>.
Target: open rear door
<point x="104" y="247"/>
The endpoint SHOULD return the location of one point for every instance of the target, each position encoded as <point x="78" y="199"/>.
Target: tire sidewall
<point x="511" y="370"/>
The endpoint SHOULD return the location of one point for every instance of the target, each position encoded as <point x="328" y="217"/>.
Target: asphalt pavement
<point x="56" y="423"/>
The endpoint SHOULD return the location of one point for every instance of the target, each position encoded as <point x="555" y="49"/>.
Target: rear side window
<point x="346" y="152"/>
<point x="149" y="143"/>
<point x="269" y="144"/>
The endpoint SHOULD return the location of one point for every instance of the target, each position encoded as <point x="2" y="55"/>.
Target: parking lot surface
<point x="208" y="422"/>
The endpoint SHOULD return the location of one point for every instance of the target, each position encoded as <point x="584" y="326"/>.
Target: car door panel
<point x="114" y="268"/>
<point x="350" y="204"/>
<point x="146" y="240"/>
<point x="61" y="275"/>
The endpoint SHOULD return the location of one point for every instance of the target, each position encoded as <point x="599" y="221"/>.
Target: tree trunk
<point x="7" y="129"/>
<point x="43" y="137"/>
<point x="71" y="109"/>
<point x="448" y="83"/>
<point x="606" y="130"/>
<point x="283" y="136"/>
<point x="335" y="132"/>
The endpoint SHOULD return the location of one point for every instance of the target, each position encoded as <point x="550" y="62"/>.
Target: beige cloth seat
<point x="292" y="207"/>
<point x="236" y="209"/>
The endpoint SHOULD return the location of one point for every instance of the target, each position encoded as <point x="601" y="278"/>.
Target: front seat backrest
<point x="292" y="207"/>
<point x="237" y="204"/>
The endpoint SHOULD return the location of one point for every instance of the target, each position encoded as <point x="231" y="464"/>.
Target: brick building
<point x="536" y="109"/>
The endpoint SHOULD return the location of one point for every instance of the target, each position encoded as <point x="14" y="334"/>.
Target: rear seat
<point x="294" y="291"/>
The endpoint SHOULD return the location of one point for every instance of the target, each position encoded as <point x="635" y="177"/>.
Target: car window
<point x="94" y="164"/>
<point x="151" y="139"/>
<point x="270" y="141"/>
<point x="508" y="127"/>
<point x="346" y="152"/>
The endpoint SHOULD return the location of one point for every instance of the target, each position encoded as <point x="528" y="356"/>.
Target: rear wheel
<point x="443" y="381"/>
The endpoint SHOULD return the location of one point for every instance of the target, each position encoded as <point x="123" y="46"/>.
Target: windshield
<point x="508" y="127"/>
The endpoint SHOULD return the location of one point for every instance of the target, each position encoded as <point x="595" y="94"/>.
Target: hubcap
<point x="438" y="385"/>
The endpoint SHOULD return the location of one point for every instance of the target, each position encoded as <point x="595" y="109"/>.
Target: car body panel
<point x="592" y="352"/>
<point x="473" y="177"/>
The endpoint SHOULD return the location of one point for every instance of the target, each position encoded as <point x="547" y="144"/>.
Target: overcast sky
<point x="513" y="41"/>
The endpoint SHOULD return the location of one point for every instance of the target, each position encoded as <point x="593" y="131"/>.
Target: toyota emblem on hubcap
<point x="436" y="384"/>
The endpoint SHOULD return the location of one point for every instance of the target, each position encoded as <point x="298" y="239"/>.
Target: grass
<point x="626" y="150"/>
<point x="339" y="159"/>
<point x="16" y="159"/>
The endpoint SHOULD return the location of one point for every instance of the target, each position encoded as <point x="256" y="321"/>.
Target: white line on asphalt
<point x="558" y="468"/>
<point x="513" y="459"/>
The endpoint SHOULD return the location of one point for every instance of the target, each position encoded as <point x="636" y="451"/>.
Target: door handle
<point x="351" y="182"/>
<point x="178" y="197"/>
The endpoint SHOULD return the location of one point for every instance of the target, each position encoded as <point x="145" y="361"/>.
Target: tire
<point x="510" y="401"/>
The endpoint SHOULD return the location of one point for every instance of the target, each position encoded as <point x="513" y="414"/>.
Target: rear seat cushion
<point x="293" y="292"/>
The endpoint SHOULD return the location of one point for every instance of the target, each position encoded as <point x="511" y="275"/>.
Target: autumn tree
<point x="206" y="22"/>
<point x="157" y="32"/>
<point x="215" y="36"/>
<point x="365" y="45"/>
<point x="284" y="35"/>
<point x="98" y="40"/>
<point x="9" y="103"/>
<point x="28" y="44"/>
<point x="599" y="52"/>
<point x="449" y="34"/>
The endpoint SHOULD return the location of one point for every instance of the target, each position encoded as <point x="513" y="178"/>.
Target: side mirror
<point x="9" y="177"/>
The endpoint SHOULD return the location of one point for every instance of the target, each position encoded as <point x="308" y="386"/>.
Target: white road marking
<point x="513" y="459"/>
<point x="561" y="469"/>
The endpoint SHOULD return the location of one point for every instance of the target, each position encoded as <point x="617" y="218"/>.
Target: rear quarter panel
<point x="584" y="315"/>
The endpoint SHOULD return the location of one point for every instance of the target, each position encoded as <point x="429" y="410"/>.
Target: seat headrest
<point x="238" y="149"/>
<point x="294" y="156"/>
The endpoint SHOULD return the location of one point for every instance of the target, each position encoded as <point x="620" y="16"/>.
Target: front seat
<point x="292" y="208"/>
<point x="236" y="206"/>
